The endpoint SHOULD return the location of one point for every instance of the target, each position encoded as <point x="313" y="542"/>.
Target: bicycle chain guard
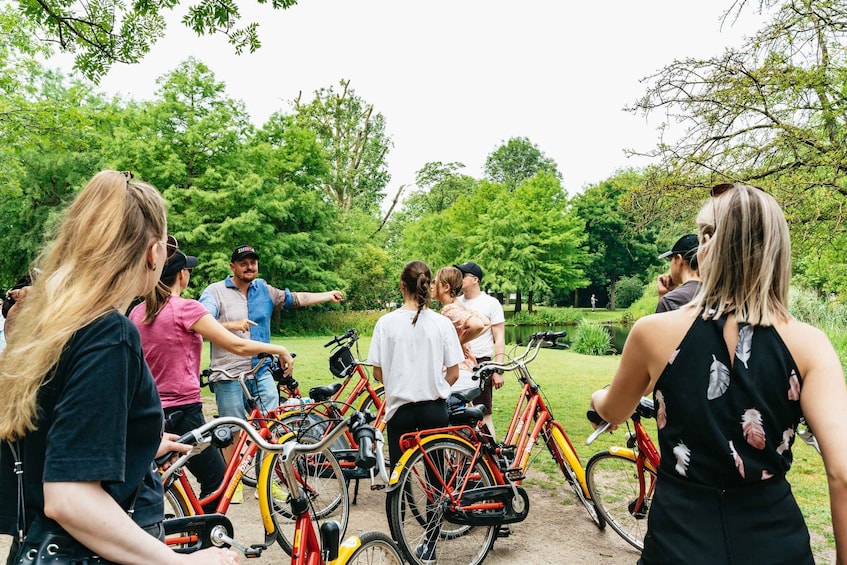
<point x="513" y="510"/>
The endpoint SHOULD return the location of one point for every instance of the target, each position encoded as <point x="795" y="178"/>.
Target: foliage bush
<point x="328" y="322"/>
<point x="627" y="291"/>
<point x="827" y="315"/>
<point x="546" y="317"/>
<point x="591" y="339"/>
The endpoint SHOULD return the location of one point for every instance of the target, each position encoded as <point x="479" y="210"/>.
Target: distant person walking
<point x="678" y="286"/>
<point x="593" y="303"/>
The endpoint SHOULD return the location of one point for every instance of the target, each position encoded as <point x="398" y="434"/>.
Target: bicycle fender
<point x="262" y="489"/>
<point x="631" y="455"/>
<point x="346" y="549"/>
<point x="401" y="464"/>
<point x="623" y="452"/>
<point x="570" y="456"/>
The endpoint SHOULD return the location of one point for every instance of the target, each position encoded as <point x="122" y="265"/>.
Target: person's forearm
<point x="87" y="512"/>
<point x="303" y="299"/>
<point x="838" y="508"/>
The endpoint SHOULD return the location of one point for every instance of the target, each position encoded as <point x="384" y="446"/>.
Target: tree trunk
<point x="529" y="302"/>
<point x="518" y="302"/>
<point x="612" y="295"/>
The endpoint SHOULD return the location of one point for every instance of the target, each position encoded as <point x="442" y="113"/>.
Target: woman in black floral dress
<point x="731" y="376"/>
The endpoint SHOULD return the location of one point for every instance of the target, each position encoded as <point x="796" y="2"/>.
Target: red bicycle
<point x="621" y="480"/>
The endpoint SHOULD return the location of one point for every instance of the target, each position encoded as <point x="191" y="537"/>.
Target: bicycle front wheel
<point x="321" y="477"/>
<point x="621" y="494"/>
<point x="418" y="507"/>
<point x="376" y="549"/>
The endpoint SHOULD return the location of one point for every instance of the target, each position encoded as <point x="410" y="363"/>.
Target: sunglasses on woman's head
<point x="172" y="245"/>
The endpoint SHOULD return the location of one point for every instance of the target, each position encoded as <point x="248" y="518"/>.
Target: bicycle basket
<point x="342" y="363"/>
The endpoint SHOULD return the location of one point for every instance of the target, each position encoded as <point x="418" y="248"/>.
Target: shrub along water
<point x="592" y="339"/>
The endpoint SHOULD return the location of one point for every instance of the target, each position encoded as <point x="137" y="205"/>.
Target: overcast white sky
<point x="456" y="78"/>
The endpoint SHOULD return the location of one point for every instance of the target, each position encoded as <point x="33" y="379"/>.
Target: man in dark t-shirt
<point x="677" y="287"/>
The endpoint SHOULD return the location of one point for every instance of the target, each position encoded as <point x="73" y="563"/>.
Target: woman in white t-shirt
<point x="409" y="349"/>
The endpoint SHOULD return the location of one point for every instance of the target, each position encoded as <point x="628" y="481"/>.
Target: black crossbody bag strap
<point x="19" y="471"/>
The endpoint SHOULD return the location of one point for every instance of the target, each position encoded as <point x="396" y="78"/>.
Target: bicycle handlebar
<point x="536" y="340"/>
<point x="370" y="448"/>
<point x="351" y="335"/>
<point x="644" y="409"/>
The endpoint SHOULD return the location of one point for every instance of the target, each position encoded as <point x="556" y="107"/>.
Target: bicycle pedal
<point x="377" y="487"/>
<point x="504" y="532"/>
<point x="254" y="551"/>
<point x="514" y="474"/>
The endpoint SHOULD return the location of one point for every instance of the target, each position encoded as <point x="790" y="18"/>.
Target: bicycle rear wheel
<point x="559" y="447"/>
<point x="613" y="481"/>
<point x="376" y="549"/>
<point x="320" y="475"/>
<point x="416" y="506"/>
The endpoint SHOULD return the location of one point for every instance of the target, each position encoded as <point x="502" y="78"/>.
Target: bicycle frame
<point x="410" y="442"/>
<point x="306" y="545"/>
<point x="241" y="459"/>
<point x="532" y="418"/>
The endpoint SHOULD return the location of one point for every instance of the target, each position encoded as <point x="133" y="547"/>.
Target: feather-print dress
<point x="726" y="430"/>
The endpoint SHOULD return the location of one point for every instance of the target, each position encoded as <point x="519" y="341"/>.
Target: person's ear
<point x="152" y="255"/>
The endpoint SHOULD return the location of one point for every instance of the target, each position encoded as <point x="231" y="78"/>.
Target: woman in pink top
<point x="172" y="330"/>
<point x="468" y="324"/>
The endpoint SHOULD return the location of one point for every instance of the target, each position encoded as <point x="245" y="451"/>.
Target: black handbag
<point x="56" y="547"/>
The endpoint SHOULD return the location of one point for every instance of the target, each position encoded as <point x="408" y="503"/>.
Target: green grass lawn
<point x="567" y="380"/>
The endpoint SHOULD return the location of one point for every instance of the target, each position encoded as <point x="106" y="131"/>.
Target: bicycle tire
<point x="312" y="425"/>
<point x="376" y="548"/>
<point x="323" y="479"/>
<point x="614" y="486"/>
<point x="176" y="503"/>
<point x="557" y="446"/>
<point x="177" y="506"/>
<point x="407" y="508"/>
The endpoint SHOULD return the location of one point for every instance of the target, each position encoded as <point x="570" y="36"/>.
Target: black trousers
<point x="208" y="466"/>
<point x="693" y="524"/>
<point x="412" y="417"/>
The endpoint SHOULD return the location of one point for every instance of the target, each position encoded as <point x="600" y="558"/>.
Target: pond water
<point x="520" y="334"/>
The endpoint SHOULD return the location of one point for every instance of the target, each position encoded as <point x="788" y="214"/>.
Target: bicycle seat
<point x="463" y="396"/>
<point x="462" y="415"/>
<point x="325" y="392"/>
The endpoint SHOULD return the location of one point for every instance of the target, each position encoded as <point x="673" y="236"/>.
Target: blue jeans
<point x="230" y="398"/>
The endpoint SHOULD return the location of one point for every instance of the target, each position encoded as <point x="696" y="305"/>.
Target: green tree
<point x="356" y="145"/>
<point x="109" y="31"/>
<point x="518" y="160"/>
<point x="616" y="250"/>
<point x="531" y="242"/>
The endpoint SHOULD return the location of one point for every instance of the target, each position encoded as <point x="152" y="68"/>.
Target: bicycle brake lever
<point x="597" y="433"/>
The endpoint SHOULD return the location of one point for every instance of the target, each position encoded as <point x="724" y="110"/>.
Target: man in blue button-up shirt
<point x="244" y="304"/>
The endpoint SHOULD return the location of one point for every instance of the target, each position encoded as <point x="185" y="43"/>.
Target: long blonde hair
<point x="93" y="264"/>
<point x="745" y="266"/>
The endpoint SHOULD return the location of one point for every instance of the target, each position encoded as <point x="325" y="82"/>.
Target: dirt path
<point x="556" y="531"/>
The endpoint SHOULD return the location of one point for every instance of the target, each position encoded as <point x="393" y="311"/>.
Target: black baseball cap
<point x="470" y="268"/>
<point x="685" y="246"/>
<point x="242" y="252"/>
<point x="177" y="262"/>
